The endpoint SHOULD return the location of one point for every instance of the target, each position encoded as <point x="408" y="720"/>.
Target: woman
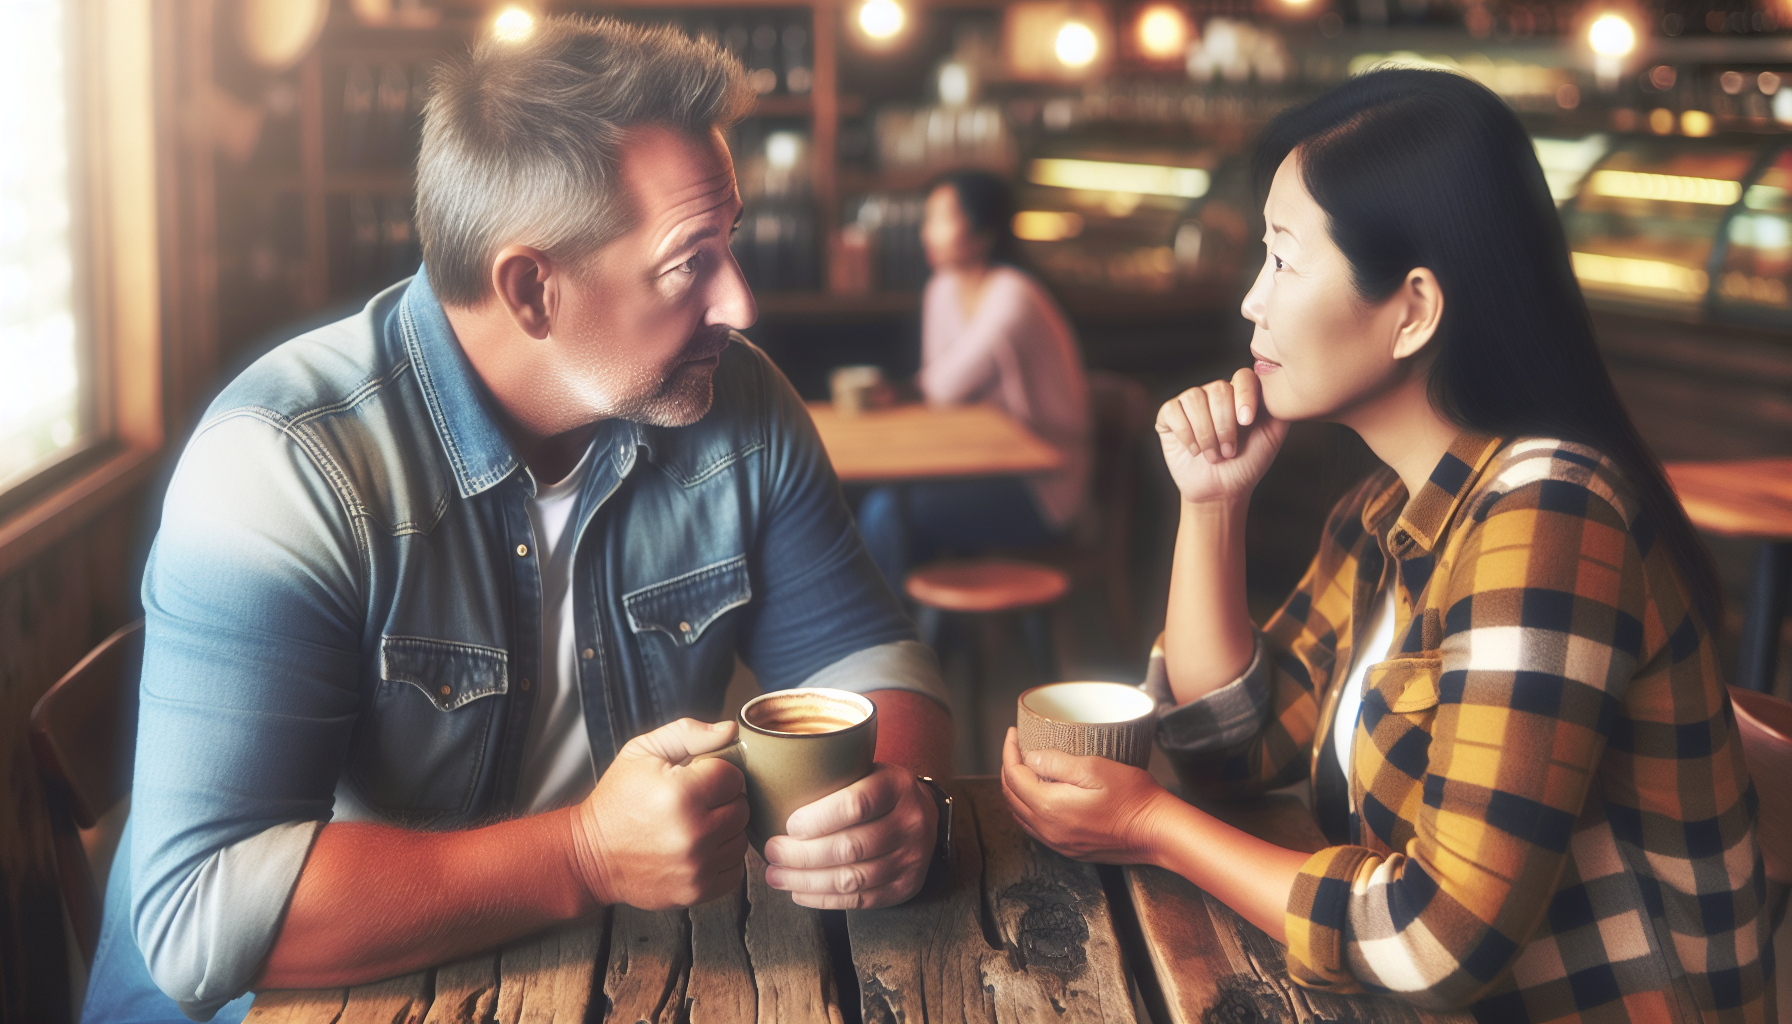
<point x="1499" y="668"/>
<point x="989" y="333"/>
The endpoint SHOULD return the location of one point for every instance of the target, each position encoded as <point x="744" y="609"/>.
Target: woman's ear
<point x="1423" y="300"/>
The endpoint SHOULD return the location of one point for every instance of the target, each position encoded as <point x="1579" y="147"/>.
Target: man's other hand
<point x="657" y="832"/>
<point x="865" y="846"/>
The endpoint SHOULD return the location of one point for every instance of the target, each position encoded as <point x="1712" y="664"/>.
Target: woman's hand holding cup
<point x="1219" y="439"/>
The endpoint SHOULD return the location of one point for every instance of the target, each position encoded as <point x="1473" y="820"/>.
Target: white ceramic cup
<point x="1110" y="720"/>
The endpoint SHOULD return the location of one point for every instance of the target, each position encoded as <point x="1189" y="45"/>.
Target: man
<point x="425" y="572"/>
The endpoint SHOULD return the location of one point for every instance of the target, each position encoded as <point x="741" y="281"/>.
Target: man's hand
<point x="866" y="846"/>
<point x="1086" y="808"/>
<point x="658" y="833"/>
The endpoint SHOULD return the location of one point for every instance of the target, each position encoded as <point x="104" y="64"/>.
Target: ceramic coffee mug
<point x="797" y="746"/>
<point x="1110" y="720"/>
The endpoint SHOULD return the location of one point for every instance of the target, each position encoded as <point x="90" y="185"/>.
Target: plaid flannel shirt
<point x="1550" y="814"/>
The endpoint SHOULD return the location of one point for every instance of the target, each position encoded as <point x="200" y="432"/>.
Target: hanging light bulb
<point x="1076" y="46"/>
<point x="1612" y="38"/>
<point x="882" y="19"/>
<point x="513" y="23"/>
<point x="1162" y="32"/>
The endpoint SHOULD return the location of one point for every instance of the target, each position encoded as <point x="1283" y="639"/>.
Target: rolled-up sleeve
<point x="1225" y="718"/>
<point x="903" y="665"/>
<point x="253" y="609"/>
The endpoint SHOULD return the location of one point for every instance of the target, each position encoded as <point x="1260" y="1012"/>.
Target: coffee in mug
<point x="797" y="746"/>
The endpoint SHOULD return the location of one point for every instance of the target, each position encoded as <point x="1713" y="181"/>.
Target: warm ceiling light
<point x="881" y="19"/>
<point x="1669" y="188"/>
<point x="513" y="23"/>
<point x="1163" y="32"/>
<point x="1076" y="46"/>
<point x="1046" y="225"/>
<point x="1611" y="36"/>
<point x="1137" y="179"/>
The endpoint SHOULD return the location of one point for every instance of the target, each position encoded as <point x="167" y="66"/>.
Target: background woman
<point x="989" y="333"/>
<point x="1498" y="668"/>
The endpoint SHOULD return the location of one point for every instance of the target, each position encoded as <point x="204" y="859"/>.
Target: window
<point x="42" y="399"/>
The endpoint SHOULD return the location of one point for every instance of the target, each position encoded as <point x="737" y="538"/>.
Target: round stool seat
<point x="988" y="585"/>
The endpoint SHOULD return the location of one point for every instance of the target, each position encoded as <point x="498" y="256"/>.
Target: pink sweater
<point x="1015" y="352"/>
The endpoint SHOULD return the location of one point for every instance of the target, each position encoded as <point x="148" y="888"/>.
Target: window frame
<point x="114" y="241"/>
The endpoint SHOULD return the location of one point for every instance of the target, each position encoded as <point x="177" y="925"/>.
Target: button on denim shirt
<point x="344" y="607"/>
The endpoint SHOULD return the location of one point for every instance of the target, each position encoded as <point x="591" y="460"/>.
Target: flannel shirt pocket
<point x="1407" y="685"/>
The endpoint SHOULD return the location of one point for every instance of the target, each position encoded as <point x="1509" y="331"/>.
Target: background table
<point x="1748" y="500"/>
<point x="1014" y="933"/>
<point x="918" y="442"/>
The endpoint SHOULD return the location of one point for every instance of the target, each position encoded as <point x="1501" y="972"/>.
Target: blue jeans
<point x="905" y="525"/>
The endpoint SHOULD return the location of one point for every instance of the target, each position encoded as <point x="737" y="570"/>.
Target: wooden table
<point x="1748" y="500"/>
<point x="1014" y="933"/>
<point x="918" y="442"/>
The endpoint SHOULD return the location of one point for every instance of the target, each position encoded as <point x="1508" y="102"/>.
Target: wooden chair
<point x="84" y="738"/>
<point x="1748" y="500"/>
<point x="1098" y="553"/>
<point x="1765" y="723"/>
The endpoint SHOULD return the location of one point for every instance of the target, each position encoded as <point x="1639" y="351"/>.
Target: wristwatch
<point x="942" y="838"/>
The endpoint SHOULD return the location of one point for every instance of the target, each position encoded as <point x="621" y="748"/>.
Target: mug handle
<point x="733" y="753"/>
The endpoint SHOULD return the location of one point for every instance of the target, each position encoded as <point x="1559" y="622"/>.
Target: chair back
<point x="84" y="739"/>
<point x="1765" y="722"/>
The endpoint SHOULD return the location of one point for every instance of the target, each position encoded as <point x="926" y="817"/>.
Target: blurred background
<point x="184" y="183"/>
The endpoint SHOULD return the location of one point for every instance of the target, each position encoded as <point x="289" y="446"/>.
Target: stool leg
<point x="1761" y="624"/>
<point x="930" y="623"/>
<point x="1038" y="629"/>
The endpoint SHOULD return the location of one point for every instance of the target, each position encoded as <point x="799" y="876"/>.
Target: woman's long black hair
<point x="1429" y="169"/>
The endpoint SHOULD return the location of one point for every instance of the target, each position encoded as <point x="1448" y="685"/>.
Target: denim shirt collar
<point x="477" y="449"/>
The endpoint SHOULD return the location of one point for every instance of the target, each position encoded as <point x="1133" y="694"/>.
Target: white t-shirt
<point x="1372" y="646"/>
<point x="557" y="766"/>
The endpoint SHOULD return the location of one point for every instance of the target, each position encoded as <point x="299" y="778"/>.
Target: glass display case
<point x="1754" y="278"/>
<point x="1644" y="226"/>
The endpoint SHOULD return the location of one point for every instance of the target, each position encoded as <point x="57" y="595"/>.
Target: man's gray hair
<point x="522" y="138"/>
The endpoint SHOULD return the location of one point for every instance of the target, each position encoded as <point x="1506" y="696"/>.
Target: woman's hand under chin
<point x="1086" y="808"/>
<point x="1219" y="439"/>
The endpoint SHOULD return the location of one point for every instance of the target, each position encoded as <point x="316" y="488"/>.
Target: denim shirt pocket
<point x="424" y="738"/>
<point x="678" y="625"/>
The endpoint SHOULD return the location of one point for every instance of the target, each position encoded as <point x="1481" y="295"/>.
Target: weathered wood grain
<point x="721" y="989"/>
<point x="650" y="961"/>
<point x="401" y="1000"/>
<point x="466" y="991"/>
<point x="792" y="971"/>
<point x="922" y="961"/>
<point x="547" y="979"/>
<point x="297" y="1006"/>
<point x="1060" y="957"/>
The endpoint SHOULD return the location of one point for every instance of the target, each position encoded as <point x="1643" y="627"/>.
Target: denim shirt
<point x="344" y="611"/>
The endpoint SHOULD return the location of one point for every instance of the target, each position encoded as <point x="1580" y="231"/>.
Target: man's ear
<point x="527" y="284"/>
<point x="1423" y="302"/>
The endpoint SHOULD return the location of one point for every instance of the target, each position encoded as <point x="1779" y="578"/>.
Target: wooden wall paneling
<point x="187" y="192"/>
<point x="53" y="609"/>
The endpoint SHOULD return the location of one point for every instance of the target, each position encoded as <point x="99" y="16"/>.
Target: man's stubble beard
<point x="685" y="394"/>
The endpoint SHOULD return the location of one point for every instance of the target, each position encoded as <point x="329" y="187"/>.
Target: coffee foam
<point x="804" y="713"/>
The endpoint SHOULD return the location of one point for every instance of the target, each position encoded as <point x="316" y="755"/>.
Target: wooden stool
<point x="982" y="587"/>
<point x="1748" y="500"/>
